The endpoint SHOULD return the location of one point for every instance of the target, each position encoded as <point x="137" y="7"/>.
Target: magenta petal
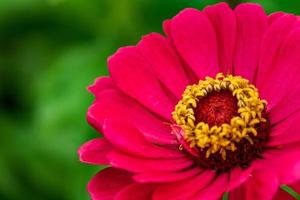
<point x="101" y="84"/>
<point x="136" y="191"/>
<point x="131" y="163"/>
<point x="179" y="133"/>
<point x="184" y="189"/>
<point x="251" y="23"/>
<point x="165" y="62"/>
<point x="95" y="152"/>
<point x="142" y="84"/>
<point x="286" y="131"/>
<point x="261" y="185"/>
<point x="214" y="190"/>
<point x="107" y="183"/>
<point x="275" y="35"/>
<point x="238" y="176"/>
<point x="128" y="139"/>
<point x="296" y="186"/>
<point x="280" y="79"/>
<point x="289" y="105"/>
<point x="283" y="195"/>
<point x="274" y="16"/>
<point x="237" y="194"/>
<point x="224" y="22"/>
<point x="160" y="177"/>
<point x="286" y="163"/>
<point x="167" y="28"/>
<point x="271" y="44"/>
<point x="195" y="40"/>
<point x="112" y="104"/>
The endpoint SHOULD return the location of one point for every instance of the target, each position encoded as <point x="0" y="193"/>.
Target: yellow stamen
<point x="225" y="137"/>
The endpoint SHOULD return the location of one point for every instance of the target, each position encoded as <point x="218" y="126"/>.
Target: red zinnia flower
<point x="213" y="107"/>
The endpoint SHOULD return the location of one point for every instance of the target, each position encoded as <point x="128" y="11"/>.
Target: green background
<point x="50" y="51"/>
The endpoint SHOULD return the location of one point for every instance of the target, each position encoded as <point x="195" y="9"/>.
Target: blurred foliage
<point x="50" y="50"/>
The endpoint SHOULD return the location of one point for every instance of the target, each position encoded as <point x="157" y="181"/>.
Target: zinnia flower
<point x="211" y="107"/>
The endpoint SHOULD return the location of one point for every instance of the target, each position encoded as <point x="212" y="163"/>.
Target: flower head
<point x="211" y="107"/>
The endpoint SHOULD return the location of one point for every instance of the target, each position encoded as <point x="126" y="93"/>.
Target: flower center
<point x="216" y="109"/>
<point x="222" y="122"/>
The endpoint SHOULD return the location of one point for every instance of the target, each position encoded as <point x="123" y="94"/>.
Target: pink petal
<point x="238" y="176"/>
<point x="262" y="185"/>
<point x="251" y="26"/>
<point x="131" y="163"/>
<point x="286" y="131"/>
<point x="281" y="79"/>
<point x="184" y="189"/>
<point x="107" y="183"/>
<point x="128" y="139"/>
<point x="215" y="189"/>
<point x="286" y="163"/>
<point x="274" y="16"/>
<point x="101" y="84"/>
<point x="289" y="105"/>
<point x="159" y="177"/>
<point x="271" y="44"/>
<point x="296" y="186"/>
<point x="272" y="40"/>
<point x="134" y="76"/>
<point x="224" y="23"/>
<point x="283" y="195"/>
<point x="179" y="133"/>
<point x="191" y="75"/>
<point x="112" y="104"/>
<point x="238" y="193"/>
<point x="136" y="191"/>
<point x="95" y="152"/>
<point x="167" y="27"/>
<point x="195" y="40"/>
<point x="165" y="62"/>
